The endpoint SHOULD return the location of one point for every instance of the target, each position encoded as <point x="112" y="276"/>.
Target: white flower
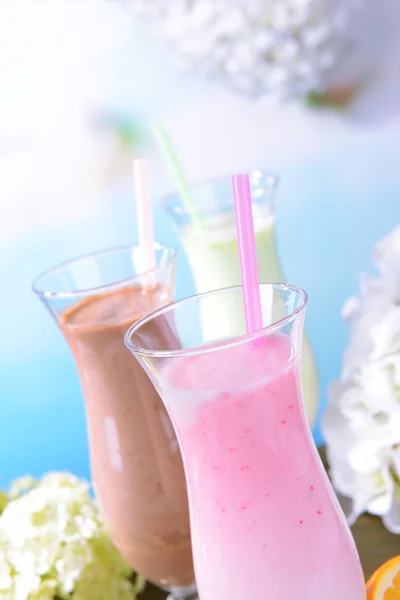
<point x="386" y="335"/>
<point x="362" y="422"/>
<point x="363" y="314"/>
<point x="5" y="573"/>
<point x="376" y="383"/>
<point x="53" y="543"/>
<point x="284" y="49"/>
<point x="387" y="260"/>
<point x="21" y="486"/>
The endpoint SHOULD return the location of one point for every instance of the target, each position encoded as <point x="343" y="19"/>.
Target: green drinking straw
<point x="171" y="158"/>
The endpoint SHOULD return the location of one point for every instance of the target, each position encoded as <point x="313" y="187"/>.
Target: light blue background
<point x="330" y="212"/>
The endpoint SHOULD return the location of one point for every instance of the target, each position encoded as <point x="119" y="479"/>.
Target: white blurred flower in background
<point x="362" y="422"/>
<point x="273" y="48"/>
<point x="54" y="59"/>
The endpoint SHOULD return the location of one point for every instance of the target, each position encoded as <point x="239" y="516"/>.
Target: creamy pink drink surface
<point x="265" y="522"/>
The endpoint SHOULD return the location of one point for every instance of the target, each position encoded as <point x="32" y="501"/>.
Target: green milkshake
<point x="210" y="244"/>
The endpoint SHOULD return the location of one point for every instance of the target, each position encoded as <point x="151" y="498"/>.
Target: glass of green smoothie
<point x="207" y="233"/>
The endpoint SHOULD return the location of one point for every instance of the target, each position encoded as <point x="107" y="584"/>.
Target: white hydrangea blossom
<point x="362" y="422"/>
<point x="282" y="49"/>
<point x="53" y="545"/>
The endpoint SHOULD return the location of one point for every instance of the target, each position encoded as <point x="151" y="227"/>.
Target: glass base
<point x="186" y="593"/>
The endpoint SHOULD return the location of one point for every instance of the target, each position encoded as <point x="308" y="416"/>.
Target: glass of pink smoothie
<point x="265" y="522"/>
<point x="136" y="464"/>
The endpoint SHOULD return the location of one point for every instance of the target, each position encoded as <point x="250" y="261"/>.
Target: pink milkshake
<point x="265" y="523"/>
<point x="246" y="450"/>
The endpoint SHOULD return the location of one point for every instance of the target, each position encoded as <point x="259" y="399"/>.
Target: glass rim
<point x="235" y="341"/>
<point x="46" y="293"/>
<point x="181" y="210"/>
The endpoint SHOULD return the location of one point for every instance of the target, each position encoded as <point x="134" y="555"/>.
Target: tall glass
<point x="210" y="244"/>
<point x="136" y="465"/>
<point x="265" y="521"/>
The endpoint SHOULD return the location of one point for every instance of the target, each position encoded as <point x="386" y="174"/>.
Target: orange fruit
<point x="385" y="582"/>
<point x="371" y="581"/>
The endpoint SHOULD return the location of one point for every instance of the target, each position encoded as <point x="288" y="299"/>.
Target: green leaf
<point x="3" y="501"/>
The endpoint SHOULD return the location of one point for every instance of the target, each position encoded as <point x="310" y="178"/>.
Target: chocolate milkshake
<point x="135" y="460"/>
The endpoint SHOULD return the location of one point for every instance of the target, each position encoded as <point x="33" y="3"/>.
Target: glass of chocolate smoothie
<point x="136" y="465"/>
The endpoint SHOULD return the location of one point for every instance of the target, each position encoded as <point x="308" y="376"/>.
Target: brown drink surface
<point x="135" y="460"/>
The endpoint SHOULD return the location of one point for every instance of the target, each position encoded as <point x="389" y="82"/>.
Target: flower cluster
<point x="53" y="545"/>
<point x="283" y="49"/>
<point x="362" y="422"/>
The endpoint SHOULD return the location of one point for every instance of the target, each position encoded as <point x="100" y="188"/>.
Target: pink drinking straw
<point x="247" y="252"/>
<point x="144" y="211"/>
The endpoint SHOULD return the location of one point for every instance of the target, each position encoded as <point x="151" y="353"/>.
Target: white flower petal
<point x="61" y="480"/>
<point x="353" y="406"/>
<point x="336" y="431"/>
<point x="396" y="461"/>
<point x="387" y="258"/>
<point x="21" y="486"/>
<point x="24" y="585"/>
<point x="392" y="518"/>
<point x="368" y="456"/>
<point x="374" y="303"/>
<point x="372" y="492"/>
<point x="382" y="485"/>
<point x="5" y="573"/>
<point x="351" y="308"/>
<point x="385" y="334"/>
<point x="342" y="476"/>
<point x="376" y="386"/>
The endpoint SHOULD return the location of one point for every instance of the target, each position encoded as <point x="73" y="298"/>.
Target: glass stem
<point x="184" y="593"/>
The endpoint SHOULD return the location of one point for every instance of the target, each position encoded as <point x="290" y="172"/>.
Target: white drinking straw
<point x="144" y="212"/>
